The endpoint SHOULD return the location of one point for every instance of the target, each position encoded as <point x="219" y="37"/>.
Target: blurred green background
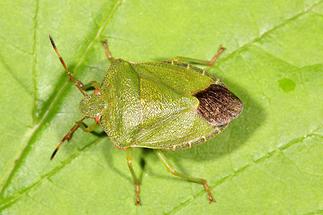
<point x="269" y="161"/>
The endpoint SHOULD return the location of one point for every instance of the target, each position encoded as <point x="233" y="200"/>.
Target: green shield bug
<point x="167" y="105"/>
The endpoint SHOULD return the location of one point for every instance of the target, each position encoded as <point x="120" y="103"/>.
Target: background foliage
<point x="269" y="161"/>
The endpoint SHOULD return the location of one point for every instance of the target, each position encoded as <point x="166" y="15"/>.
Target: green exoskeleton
<point x="167" y="105"/>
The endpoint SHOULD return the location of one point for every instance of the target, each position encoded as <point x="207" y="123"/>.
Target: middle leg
<point x="134" y="177"/>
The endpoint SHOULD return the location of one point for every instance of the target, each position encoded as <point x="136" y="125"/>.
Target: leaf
<point x="269" y="161"/>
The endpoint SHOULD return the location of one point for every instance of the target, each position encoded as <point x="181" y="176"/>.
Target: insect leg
<point x="76" y="82"/>
<point x="135" y="179"/>
<point x="107" y="50"/>
<point x="198" y="61"/>
<point x="216" y="56"/>
<point x="69" y="135"/>
<point x="174" y="172"/>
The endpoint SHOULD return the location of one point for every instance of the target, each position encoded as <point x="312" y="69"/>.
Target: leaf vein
<point x="13" y="75"/>
<point x="257" y="39"/>
<point x="237" y="172"/>
<point x="34" y="62"/>
<point x="11" y="200"/>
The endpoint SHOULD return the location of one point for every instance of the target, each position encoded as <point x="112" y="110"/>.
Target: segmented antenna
<point x="76" y="82"/>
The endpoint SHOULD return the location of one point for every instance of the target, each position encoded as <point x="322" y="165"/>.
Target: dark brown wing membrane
<point x="218" y="105"/>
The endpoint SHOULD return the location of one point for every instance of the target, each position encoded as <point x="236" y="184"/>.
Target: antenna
<point x="76" y="82"/>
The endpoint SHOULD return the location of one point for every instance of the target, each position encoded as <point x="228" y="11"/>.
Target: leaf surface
<point x="269" y="161"/>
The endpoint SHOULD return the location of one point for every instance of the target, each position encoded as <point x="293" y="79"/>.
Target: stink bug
<point x="167" y="105"/>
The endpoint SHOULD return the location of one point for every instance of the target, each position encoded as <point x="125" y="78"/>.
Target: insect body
<point x="167" y="105"/>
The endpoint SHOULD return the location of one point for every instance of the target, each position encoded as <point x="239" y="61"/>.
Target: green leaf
<point x="269" y="161"/>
